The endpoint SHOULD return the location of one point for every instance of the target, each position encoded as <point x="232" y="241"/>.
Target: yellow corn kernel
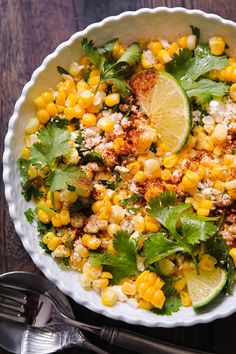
<point x="170" y="161"/>
<point x="159" y="67"/>
<point x="69" y="86"/>
<point x="232" y="92"/>
<point x="145" y="62"/>
<point x="155" y="47"/>
<point x="93" y="242"/>
<point x="219" y="185"/>
<point x="166" y="266"/>
<point x="128" y="288"/>
<point x="232" y="254"/>
<point x="106" y="275"/>
<point x="43" y="115"/>
<point x="118" y="144"/>
<point x="152" y="168"/>
<point x="109" y="297"/>
<point x="158" y="299"/>
<point x="173" y="48"/>
<point x="182" y="41"/>
<point x="54" y="242"/>
<point x="217" y="45"/>
<point x="48" y="96"/>
<point x="139" y="224"/>
<point x="46" y="238"/>
<point x="228" y="160"/>
<point x="92" y="271"/>
<point x="203" y="211"/>
<point x="78" y="111"/>
<point x="44" y="217"/>
<point x="163" y="56"/>
<point x="206" y="204"/>
<point x="140" y="177"/>
<point x="230" y="184"/>
<point x="84" y="60"/>
<point x="94" y="80"/>
<point x="217" y="150"/>
<point x="56" y="220"/>
<point x="165" y="175"/>
<point x="191" y="42"/>
<point x="151" y="224"/>
<point x="88" y="119"/>
<point x="71" y="99"/>
<point x="52" y="109"/>
<point x="106" y="124"/>
<point x="25" y="153"/>
<point x="69" y="112"/>
<point x="119" y="196"/>
<point x="118" y="50"/>
<point x="232" y="194"/>
<point x="207" y="263"/>
<point x="100" y="283"/>
<point x="82" y="86"/>
<point x="180" y="284"/>
<point x="103" y="87"/>
<point x="201" y="171"/>
<point x="61" y="98"/>
<point x="185" y="299"/>
<point x="40" y="103"/>
<point x="149" y="293"/>
<point x="145" y="305"/>
<point x="71" y="128"/>
<point x="87" y="98"/>
<point x="112" y="99"/>
<point x="112" y="228"/>
<point x="65" y="217"/>
<point x="32" y="126"/>
<point x="68" y="196"/>
<point x="96" y="207"/>
<point x="190" y="180"/>
<point x="85" y="239"/>
<point x="220" y="133"/>
<point x="117" y="214"/>
<point x="32" y="172"/>
<point x="133" y="167"/>
<point x="74" y="68"/>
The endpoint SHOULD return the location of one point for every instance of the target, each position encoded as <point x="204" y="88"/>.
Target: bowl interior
<point x="165" y="23"/>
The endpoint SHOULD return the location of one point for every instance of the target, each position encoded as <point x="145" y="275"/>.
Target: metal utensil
<point x="39" y="310"/>
<point x="21" y="339"/>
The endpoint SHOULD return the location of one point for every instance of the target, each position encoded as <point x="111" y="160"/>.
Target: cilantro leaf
<point x="122" y="265"/>
<point x="107" y="48"/>
<point x="134" y="211"/>
<point x="134" y="198"/>
<point x="30" y="187"/>
<point x="60" y="179"/>
<point x="207" y="87"/>
<point x="91" y="52"/>
<point x="218" y="248"/>
<point x="54" y="143"/>
<point x="197" y="228"/>
<point x="58" y="121"/>
<point x="132" y="55"/>
<point x="173" y="301"/>
<point x="92" y="156"/>
<point x="30" y="215"/>
<point x="120" y="85"/>
<point x="158" y="246"/>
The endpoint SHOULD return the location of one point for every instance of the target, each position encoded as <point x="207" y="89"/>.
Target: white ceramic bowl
<point x="160" y="22"/>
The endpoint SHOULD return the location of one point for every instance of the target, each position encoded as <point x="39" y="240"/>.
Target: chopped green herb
<point x="131" y="200"/>
<point x="58" y="122"/>
<point x="85" y="74"/>
<point x="153" y="148"/>
<point x="134" y="211"/>
<point x="62" y="71"/>
<point x="63" y="262"/>
<point x="92" y="156"/>
<point x="196" y="31"/>
<point x="47" y="210"/>
<point x="30" y="215"/>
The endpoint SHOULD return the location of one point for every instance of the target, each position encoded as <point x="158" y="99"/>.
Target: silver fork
<point x="39" y="310"/>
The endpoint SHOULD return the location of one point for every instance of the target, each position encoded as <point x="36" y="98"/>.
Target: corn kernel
<point x="230" y="185"/>
<point x="170" y="161"/>
<point x="53" y="243"/>
<point x="128" y="288"/>
<point x="228" y="160"/>
<point x="118" y="50"/>
<point x="152" y="168"/>
<point x="61" y="98"/>
<point x="220" y="133"/>
<point x="93" y="242"/>
<point x="82" y="86"/>
<point x="69" y="86"/>
<point x="65" y="217"/>
<point x="107" y="275"/>
<point x="163" y="56"/>
<point x="203" y="212"/>
<point x="190" y="180"/>
<point x="69" y="112"/>
<point x="182" y="41"/>
<point x="151" y="224"/>
<point x="112" y="228"/>
<point x="207" y="263"/>
<point x="206" y="204"/>
<point x="71" y="99"/>
<point x="117" y="214"/>
<point x="165" y="175"/>
<point x="43" y="115"/>
<point x="232" y="254"/>
<point x="44" y="217"/>
<point x="232" y="92"/>
<point x="180" y="284"/>
<point x="32" y="172"/>
<point x="139" y="224"/>
<point x="133" y="167"/>
<point x="74" y="68"/>
<point x="158" y="299"/>
<point x="56" y="220"/>
<point x="94" y="80"/>
<point x="100" y="283"/>
<point x="112" y="99"/>
<point x="46" y="238"/>
<point x="173" y="48"/>
<point x="87" y="98"/>
<point x="145" y="305"/>
<point x="166" y="266"/>
<point x="191" y="42"/>
<point x="145" y="62"/>
<point x="52" y="109"/>
<point x="25" y="153"/>
<point x="88" y="120"/>
<point x="40" y="102"/>
<point x="109" y="297"/>
<point x="217" y="45"/>
<point x="140" y="177"/>
<point x="78" y="111"/>
<point x="32" y="126"/>
<point x="185" y="299"/>
<point x="106" y="124"/>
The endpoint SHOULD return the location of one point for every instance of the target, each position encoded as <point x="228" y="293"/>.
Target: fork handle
<point x="141" y="344"/>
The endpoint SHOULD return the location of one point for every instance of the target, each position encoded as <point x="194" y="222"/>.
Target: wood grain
<point x="29" y="30"/>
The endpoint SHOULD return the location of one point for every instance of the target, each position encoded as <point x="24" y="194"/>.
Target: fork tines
<point x="12" y="304"/>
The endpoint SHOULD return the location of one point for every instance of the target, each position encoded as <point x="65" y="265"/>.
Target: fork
<point x="38" y="310"/>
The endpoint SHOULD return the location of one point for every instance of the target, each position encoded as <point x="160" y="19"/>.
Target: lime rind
<point x="203" y="288"/>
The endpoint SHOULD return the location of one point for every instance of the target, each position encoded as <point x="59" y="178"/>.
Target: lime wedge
<point x="204" y="287"/>
<point x="165" y="102"/>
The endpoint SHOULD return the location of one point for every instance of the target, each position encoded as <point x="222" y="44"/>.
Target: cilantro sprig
<point x="183" y="229"/>
<point x="188" y="68"/>
<point x="111" y="71"/>
<point x="124" y="263"/>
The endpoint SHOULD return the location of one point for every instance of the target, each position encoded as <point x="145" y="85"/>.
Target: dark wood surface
<point x="31" y="29"/>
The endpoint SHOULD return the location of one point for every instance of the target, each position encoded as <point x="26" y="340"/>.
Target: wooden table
<point x="29" y="30"/>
